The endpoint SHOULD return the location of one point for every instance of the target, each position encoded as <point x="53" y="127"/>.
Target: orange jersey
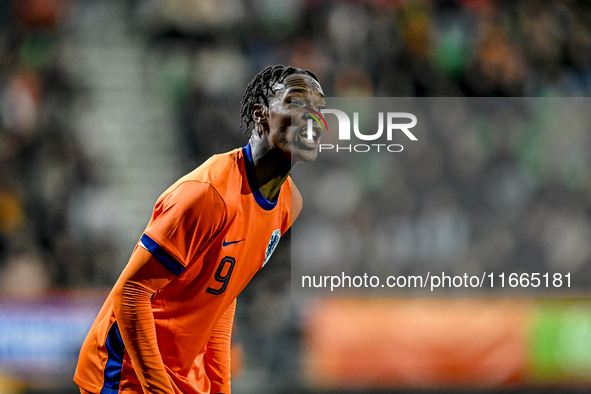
<point x="214" y="233"/>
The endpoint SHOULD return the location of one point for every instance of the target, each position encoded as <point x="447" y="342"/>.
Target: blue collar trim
<point x="258" y="195"/>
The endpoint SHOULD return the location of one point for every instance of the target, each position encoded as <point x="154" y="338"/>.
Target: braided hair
<point x="260" y="89"/>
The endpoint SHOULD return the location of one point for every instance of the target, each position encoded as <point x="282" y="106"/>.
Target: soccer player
<point x="166" y="325"/>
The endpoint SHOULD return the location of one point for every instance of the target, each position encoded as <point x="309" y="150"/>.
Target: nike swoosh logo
<point x="224" y="243"/>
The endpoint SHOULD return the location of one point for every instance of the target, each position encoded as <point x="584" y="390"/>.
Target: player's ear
<point x="259" y="113"/>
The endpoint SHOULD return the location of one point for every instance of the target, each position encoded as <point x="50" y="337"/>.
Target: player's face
<point x="288" y="119"/>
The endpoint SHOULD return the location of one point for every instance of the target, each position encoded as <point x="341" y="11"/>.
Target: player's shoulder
<point x="296" y="197"/>
<point x="188" y="195"/>
<point x="292" y="201"/>
<point x="211" y="177"/>
<point x="217" y="168"/>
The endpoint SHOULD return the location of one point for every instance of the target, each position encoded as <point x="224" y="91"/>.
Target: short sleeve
<point x="184" y="220"/>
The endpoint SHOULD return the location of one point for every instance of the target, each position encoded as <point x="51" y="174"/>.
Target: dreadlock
<point x="260" y="87"/>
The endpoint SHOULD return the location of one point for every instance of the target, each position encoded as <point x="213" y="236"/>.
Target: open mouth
<point x="310" y="136"/>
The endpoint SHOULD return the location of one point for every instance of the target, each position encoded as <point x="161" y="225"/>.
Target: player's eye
<point x="296" y="102"/>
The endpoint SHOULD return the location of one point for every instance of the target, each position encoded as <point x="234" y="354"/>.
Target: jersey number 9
<point x="222" y="278"/>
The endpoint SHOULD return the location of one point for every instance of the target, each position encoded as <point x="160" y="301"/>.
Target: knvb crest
<point x="275" y="237"/>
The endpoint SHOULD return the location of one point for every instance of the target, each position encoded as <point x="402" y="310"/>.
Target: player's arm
<point x="183" y="221"/>
<point x="142" y="277"/>
<point x="217" y="352"/>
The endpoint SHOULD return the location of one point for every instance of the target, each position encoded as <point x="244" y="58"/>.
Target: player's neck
<point x="271" y="168"/>
<point x="271" y="188"/>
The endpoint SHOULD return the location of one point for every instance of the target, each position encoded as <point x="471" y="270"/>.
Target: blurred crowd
<point x="42" y="164"/>
<point x="496" y="194"/>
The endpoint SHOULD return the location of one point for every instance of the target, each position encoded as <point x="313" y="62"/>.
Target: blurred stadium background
<point x="103" y="104"/>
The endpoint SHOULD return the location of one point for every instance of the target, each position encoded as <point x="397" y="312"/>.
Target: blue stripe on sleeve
<point x="168" y="260"/>
<point x="115" y="349"/>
